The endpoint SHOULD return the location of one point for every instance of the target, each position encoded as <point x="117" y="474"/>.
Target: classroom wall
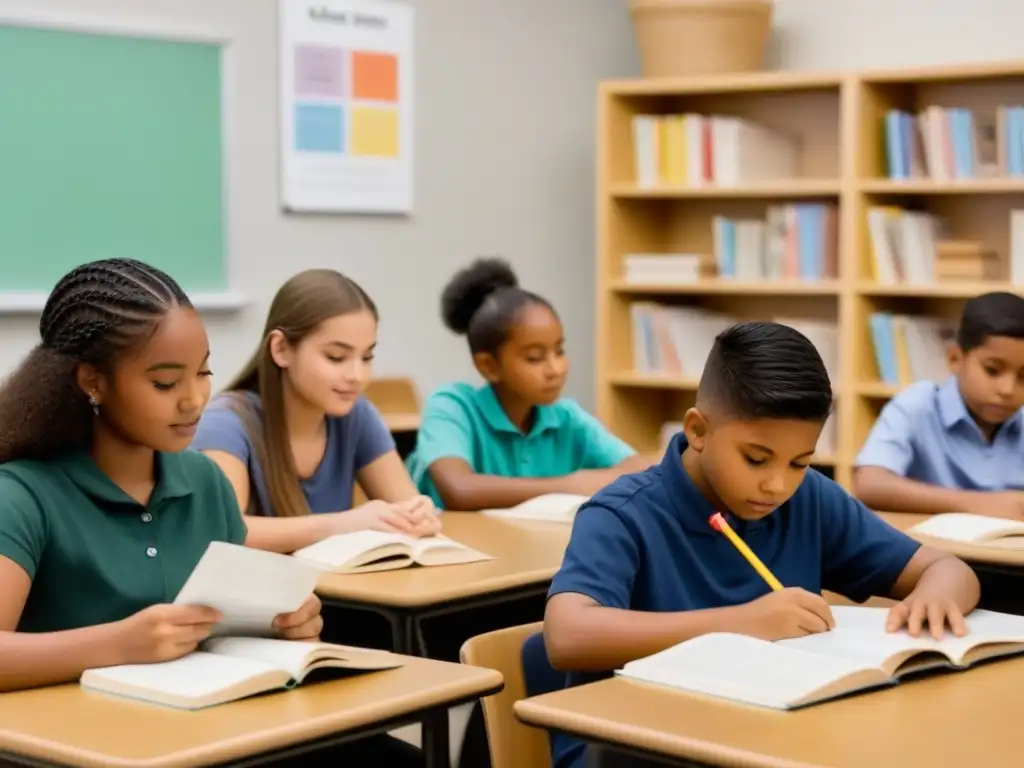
<point x="504" y="146"/>
<point x="504" y="150"/>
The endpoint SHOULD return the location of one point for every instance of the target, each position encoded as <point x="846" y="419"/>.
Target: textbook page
<point x="195" y="676"/>
<point x="248" y="586"/>
<point x="553" y="507"/>
<point x="340" y="549"/>
<point x="440" y="550"/>
<point x="743" y="669"/>
<point x="957" y="526"/>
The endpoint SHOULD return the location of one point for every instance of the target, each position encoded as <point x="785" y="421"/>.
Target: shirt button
<point x="147" y="518"/>
<point x="151" y="552"/>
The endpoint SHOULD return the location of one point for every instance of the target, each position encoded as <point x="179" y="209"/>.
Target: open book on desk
<point x="857" y="655"/>
<point x="980" y="530"/>
<point x="550" y="507"/>
<point x="231" y="668"/>
<point x="366" y="551"/>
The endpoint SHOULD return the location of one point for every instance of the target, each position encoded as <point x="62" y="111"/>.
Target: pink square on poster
<point x="318" y="71"/>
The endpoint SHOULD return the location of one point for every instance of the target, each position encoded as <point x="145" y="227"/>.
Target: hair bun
<point x="469" y="288"/>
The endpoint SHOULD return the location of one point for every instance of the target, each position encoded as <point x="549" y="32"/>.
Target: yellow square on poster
<point x="374" y="132"/>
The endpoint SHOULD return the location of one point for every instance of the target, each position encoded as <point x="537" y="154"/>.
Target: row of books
<point x="911" y="247"/>
<point x="797" y="242"/>
<point x="674" y="341"/>
<point x="909" y="348"/>
<point x="944" y="144"/>
<point x="709" y="150"/>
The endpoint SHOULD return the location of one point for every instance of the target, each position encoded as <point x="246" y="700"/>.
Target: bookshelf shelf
<point x="833" y="131"/>
<point x="796" y="188"/>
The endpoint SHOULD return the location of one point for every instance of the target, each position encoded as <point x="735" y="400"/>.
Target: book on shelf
<point x="909" y="348"/>
<point x="367" y="551"/>
<point x="996" y="532"/>
<point x="1016" y="266"/>
<point x="549" y="507"/>
<point x="662" y="268"/>
<point x="673" y="341"/>
<point x="792" y="242"/>
<point x="710" y="150"/>
<point x="856" y="656"/>
<point x="950" y="143"/>
<point x="903" y="245"/>
<point x="230" y="668"/>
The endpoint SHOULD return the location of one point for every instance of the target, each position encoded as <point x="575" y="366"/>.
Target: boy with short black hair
<point x="956" y="446"/>
<point x="644" y="570"/>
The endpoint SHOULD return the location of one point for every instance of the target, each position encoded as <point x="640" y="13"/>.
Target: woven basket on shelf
<point x="683" y="38"/>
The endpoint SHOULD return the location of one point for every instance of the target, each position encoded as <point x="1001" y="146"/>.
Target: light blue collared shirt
<point x="926" y="434"/>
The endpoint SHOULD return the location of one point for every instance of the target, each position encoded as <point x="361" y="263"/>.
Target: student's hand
<point x="303" y="624"/>
<point x="1006" y="504"/>
<point x="786" y="613"/>
<point x="164" y="632"/>
<point x="422" y="514"/>
<point x="925" y="607"/>
<point x="375" y="516"/>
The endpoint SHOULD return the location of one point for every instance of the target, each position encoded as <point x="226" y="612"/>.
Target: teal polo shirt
<point x="461" y="421"/>
<point x="95" y="555"/>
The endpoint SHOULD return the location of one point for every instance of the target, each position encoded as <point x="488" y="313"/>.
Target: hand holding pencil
<point x="783" y="612"/>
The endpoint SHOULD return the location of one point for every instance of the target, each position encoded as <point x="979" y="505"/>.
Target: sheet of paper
<point x="554" y="507"/>
<point x="248" y="586"/>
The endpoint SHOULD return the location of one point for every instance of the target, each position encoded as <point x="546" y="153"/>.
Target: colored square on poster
<point x="319" y="128"/>
<point x="319" y="71"/>
<point x="375" y="76"/>
<point x="374" y="132"/>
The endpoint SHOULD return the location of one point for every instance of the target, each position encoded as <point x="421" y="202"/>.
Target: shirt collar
<point x="953" y="410"/>
<point x="171" y="479"/>
<point x="498" y="420"/>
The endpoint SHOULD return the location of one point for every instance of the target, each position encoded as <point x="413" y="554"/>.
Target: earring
<point x="94" y="404"/>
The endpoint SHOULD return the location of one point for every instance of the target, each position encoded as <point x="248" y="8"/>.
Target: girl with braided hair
<point x="103" y="514"/>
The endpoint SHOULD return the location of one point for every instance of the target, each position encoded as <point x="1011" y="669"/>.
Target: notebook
<point x="973" y="529"/>
<point x="250" y="587"/>
<point x="366" y="551"/>
<point x="550" y="507"/>
<point x="857" y="655"/>
<point x="230" y="668"/>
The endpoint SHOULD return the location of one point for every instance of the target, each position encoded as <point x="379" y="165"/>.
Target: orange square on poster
<point x="375" y="76"/>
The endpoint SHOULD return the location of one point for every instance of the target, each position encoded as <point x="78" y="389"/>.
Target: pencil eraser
<point x="715" y="521"/>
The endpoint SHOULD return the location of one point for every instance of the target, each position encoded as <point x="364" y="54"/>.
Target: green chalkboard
<point x="109" y="146"/>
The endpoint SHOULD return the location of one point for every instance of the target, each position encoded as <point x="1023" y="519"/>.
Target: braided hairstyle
<point x="95" y="313"/>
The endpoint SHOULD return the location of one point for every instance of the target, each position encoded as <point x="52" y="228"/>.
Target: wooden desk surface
<point x="401" y="422"/>
<point x="525" y="552"/>
<point x="1009" y="552"/>
<point x="947" y="721"/>
<point x="69" y="726"/>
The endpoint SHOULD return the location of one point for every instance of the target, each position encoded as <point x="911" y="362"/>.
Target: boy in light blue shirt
<point x="514" y="438"/>
<point x="956" y="446"/>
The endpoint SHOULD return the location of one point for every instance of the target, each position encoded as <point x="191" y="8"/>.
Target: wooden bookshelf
<point x="838" y="123"/>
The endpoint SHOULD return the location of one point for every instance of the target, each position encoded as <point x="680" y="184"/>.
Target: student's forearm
<point x="638" y="462"/>
<point x="473" y="492"/>
<point x="286" y="534"/>
<point x="886" y="491"/>
<point x="29" y="660"/>
<point x="596" y="638"/>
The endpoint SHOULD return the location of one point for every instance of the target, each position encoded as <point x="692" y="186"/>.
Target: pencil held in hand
<point x="719" y="523"/>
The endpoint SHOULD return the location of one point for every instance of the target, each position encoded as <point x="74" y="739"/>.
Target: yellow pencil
<point x="719" y="524"/>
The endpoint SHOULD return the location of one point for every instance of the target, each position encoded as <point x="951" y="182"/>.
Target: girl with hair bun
<point x="515" y="437"/>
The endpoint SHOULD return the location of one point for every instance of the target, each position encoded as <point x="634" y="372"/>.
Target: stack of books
<point x="794" y="242"/>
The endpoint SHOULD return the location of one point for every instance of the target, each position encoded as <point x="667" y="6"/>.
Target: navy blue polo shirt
<point x="644" y="544"/>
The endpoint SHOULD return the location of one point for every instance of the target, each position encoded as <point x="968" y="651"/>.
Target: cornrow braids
<point x="93" y="315"/>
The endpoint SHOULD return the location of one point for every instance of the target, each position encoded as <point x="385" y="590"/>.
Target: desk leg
<point x="402" y="639"/>
<point x="436" y="749"/>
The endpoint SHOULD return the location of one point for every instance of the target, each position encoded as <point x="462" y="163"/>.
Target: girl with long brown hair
<point x="293" y="432"/>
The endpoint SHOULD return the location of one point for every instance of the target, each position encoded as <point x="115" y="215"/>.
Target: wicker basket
<point x="683" y="38"/>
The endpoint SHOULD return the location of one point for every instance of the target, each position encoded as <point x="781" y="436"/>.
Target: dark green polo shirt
<point x="96" y="555"/>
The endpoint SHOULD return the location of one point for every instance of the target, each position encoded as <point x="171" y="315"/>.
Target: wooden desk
<point x="526" y="557"/>
<point x="1000" y="568"/>
<point x="402" y="422"/>
<point x="65" y="725"/>
<point x="945" y="721"/>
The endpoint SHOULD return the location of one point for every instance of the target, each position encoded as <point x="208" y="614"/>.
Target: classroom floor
<point x="457" y="719"/>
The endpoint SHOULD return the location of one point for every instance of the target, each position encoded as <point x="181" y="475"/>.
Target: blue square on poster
<point x="319" y="128"/>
